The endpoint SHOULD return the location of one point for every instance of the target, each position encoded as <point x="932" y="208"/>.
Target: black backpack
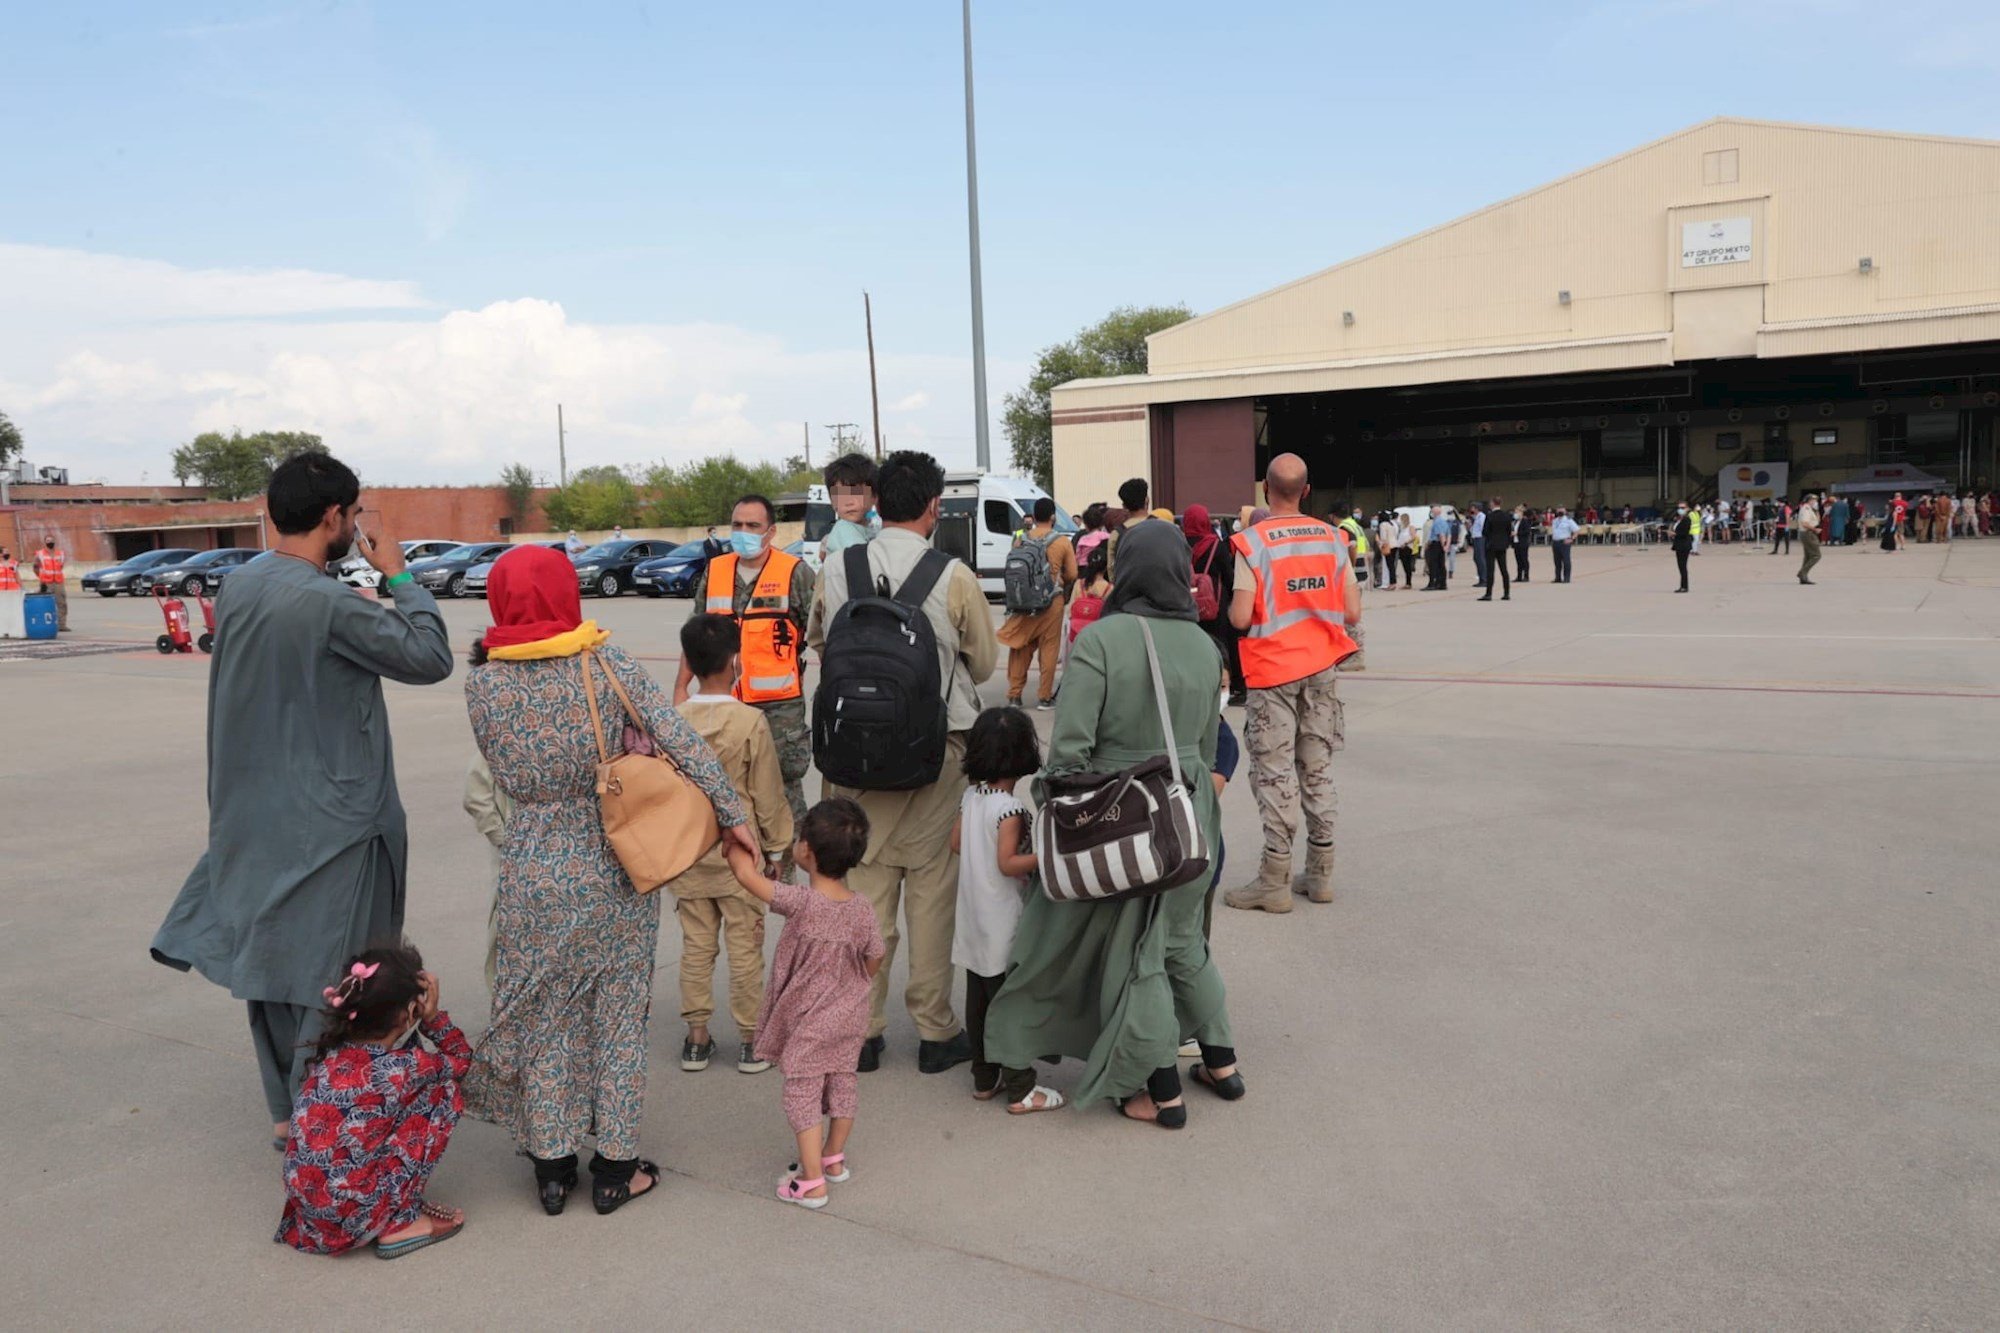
<point x="879" y="718"/>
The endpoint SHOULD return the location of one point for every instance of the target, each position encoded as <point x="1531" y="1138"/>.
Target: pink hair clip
<point x="332" y="997"/>
<point x="363" y="970"/>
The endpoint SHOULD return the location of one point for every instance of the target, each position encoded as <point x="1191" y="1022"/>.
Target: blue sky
<point x="416" y="227"/>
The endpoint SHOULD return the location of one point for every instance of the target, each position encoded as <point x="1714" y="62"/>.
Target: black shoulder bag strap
<point x="931" y="567"/>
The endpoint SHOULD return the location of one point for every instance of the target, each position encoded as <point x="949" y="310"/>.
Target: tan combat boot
<point x="1269" y="892"/>
<point x="1316" y="880"/>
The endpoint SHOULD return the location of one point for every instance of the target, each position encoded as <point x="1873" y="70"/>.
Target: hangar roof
<point x="1733" y="238"/>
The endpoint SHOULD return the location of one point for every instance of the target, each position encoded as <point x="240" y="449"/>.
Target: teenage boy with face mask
<point x="769" y="594"/>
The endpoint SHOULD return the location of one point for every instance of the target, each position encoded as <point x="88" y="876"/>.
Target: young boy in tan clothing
<point x="708" y="899"/>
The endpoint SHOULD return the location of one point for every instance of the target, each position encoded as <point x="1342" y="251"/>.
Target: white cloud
<point x="118" y="360"/>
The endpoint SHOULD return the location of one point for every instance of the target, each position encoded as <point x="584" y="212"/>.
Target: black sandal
<point x="1166" y="1117"/>
<point x="1230" y="1089"/>
<point x="609" y="1196"/>
<point x="555" y="1193"/>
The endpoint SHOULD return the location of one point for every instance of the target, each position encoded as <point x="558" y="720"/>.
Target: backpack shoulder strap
<point x="854" y="561"/>
<point x="931" y="567"/>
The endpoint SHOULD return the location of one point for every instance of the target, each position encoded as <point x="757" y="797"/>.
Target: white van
<point x="982" y="512"/>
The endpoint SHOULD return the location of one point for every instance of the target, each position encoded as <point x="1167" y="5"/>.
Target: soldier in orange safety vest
<point x="49" y="571"/>
<point x="769" y="594"/>
<point x="1296" y="598"/>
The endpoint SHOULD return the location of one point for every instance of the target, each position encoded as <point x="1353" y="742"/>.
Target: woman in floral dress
<point x="565" y="1055"/>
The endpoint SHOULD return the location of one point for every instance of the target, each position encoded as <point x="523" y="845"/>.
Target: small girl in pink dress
<point x="815" y="1013"/>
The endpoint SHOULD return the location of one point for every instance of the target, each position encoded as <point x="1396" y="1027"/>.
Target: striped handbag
<point x="1100" y="837"/>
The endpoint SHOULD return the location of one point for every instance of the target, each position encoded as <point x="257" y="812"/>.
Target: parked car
<point x="191" y="576"/>
<point x="676" y="573"/>
<point x="475" y="578"/>
<point x="125" y="577"/>
<point x="445" y="575"/>
<point x="356" y="572"/>
<point x="606" y="568"/>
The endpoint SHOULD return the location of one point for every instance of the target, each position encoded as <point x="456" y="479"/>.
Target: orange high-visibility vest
<point x="1298" y="618"/>
<point x="49" y="565"/>
<point x="770" y="648"/>
<point x="10" y="575"/>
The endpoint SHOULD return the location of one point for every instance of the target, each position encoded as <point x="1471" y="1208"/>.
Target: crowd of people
<point x="297" y="906"/>
<point x="1142" y="628"/>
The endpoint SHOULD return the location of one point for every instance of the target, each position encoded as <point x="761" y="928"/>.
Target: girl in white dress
<point x="994" y="861"/>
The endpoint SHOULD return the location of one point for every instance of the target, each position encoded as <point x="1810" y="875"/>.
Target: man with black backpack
<point x="1040" y="571"/>
<point x="905" y="638"/>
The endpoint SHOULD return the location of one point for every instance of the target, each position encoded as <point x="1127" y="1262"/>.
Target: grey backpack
<point x="1028" y="583"/>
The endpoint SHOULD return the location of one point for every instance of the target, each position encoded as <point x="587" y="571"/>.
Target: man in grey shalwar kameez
<point x="307" y="843"/>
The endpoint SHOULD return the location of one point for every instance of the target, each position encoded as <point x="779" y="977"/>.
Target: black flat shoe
<point x="1230" y="1089"/>
<point x="934" y="1057"/>
<point x="871" y="1056"/>
<point x="555" y="1194"/>
<point x="608" y="1196"/>
<point x="1166" y="1117"/>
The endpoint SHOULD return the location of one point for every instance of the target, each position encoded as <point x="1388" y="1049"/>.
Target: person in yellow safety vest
<point x="49" y="570"/>
<point x="769" y="594"/>
<point x="1296" y="596"/>
<point x="1694" y="529"/>
<point x="1355" y="533"/>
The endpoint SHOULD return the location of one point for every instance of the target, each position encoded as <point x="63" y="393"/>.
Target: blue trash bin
<point x="41" y="615"/>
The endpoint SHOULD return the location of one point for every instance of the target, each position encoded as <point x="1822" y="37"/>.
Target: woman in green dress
<point x="1118" y="985"/>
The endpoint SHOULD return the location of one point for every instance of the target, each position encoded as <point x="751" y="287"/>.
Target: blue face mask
<point x="749" y="545"/>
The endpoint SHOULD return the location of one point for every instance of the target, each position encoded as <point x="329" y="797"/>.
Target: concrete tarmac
<point x="1659" y="993"/>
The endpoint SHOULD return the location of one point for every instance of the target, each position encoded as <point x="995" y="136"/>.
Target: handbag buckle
<point x="614" y="785"/>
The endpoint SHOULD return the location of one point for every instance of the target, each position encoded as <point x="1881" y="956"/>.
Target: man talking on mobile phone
<point x="307" y="843"/>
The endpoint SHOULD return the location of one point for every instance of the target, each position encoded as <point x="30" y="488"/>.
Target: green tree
<point x="704" y="492"/>
<point x="10" y="440"/>
<point x="235" y="466"/>
<point x="519" y="483"/>
<point x="1115" y="345"/>
<point x="596" y="498"/>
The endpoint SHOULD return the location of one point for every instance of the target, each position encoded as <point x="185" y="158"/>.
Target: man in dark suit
<point x="1499" y="542"/>
<point x="1683" y="542"/>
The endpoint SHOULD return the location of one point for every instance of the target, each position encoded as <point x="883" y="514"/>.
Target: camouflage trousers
<point x="1292" y="731"/>
<point x="793" y="739"/>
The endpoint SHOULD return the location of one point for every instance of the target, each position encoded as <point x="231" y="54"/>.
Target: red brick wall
<point x="472" y="513"/>
<point x="469" y="513"/>
<point x="79" y="529"/>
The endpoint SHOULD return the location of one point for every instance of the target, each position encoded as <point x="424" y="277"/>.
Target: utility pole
<point x="562" y="450"/>
<point x="874" y="398"/>
<point x="843" y="437"/>
<point x="985" y="446"/>
<point x="806" y="426"/>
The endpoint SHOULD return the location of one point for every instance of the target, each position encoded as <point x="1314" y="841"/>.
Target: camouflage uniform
<point x="795" y="751"/>
<point x="1292" y="733"/>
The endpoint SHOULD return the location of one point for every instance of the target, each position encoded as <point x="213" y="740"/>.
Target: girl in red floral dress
<point x="375" y="1113"/>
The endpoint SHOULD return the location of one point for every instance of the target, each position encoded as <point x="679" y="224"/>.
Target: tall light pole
<point x="985" y="445"/>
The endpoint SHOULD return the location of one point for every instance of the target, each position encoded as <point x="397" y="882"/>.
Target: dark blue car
<point x="679" y="571"/>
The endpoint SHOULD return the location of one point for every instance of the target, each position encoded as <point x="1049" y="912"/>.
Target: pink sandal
<point x="794" y="1191"/>
<point x="831" y="1168"/>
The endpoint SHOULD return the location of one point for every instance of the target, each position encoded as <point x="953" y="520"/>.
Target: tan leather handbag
<point x="659" y="823"/>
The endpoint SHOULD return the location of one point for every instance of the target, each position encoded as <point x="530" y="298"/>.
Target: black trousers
<point x="1496" y="568"/>
<point x="1521" y="561"/>
<point x="1561" y="550"/>
<point x="1783" y="538"/>
<point x="1409" y="559"/>
<point x="1681" y="559"/>
<point x="1434" y="564"/>
<point x="1227" y="639"/>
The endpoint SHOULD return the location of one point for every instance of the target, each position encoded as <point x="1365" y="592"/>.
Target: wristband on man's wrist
<point x="395" y="580"/>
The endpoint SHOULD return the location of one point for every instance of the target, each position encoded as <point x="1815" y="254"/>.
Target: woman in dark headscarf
<point x="1119" y="985"/>
<point x="565" y="1056"/>
<point x="1208" y="555"/>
